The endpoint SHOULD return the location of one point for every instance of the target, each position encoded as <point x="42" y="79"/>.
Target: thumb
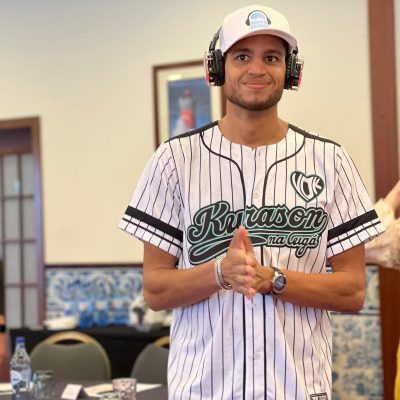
<point x="237" y="240"/>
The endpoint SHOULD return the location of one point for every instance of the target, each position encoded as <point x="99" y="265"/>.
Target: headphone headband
<point x="214" y="41"/>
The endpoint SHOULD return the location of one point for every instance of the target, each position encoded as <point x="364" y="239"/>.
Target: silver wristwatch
<point x="278" y="281"/>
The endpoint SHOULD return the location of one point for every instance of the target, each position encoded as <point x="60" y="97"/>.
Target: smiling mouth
<point x="256" y="85"/>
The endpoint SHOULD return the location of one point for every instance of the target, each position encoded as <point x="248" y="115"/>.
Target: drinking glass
<point x="126" y="387"/>
<point x="43" y="385"/>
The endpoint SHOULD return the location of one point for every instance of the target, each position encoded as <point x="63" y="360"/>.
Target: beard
<point x="255" y="105"/>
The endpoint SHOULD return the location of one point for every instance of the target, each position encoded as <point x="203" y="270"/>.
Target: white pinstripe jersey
<point x="303" y="201"/>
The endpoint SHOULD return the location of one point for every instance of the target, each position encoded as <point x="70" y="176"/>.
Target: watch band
<point x="2" y="328"/>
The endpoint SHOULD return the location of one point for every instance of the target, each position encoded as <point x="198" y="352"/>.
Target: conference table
<point x="121" y="343"/>
<point x="159" y="393"/>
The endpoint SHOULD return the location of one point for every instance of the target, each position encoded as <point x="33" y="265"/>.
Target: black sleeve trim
<point x="352" y="224"/>
<point x="154" y="222"/>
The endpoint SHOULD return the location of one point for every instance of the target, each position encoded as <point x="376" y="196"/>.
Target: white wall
<point x="84" y="67"/>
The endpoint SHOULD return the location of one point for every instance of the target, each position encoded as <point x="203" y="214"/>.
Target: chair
<point x="83" y="359"/>
<point x="151" y="365"/>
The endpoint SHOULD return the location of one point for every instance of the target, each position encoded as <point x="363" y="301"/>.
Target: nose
<point x="256" y="67"/>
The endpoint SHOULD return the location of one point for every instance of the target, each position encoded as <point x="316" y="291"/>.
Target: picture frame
<point x="183" y="100"/>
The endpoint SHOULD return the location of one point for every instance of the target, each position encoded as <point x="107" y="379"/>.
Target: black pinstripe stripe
<point x="240" y="171"/>
<point x="149" y="182"/>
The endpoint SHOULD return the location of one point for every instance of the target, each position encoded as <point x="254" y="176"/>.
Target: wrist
<point x="266" y="283"/>
<point x="278" y="281"/>
<point x="221" y="282"/>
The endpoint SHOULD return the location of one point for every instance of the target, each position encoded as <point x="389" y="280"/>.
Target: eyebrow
<point x="268" y="51"/>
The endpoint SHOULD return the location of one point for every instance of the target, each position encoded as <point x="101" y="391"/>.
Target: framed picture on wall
<point x="183" y="100"/>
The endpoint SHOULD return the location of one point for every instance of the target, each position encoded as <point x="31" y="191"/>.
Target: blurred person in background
<point x="385" y="250"/>
<point x="3" y="351"/>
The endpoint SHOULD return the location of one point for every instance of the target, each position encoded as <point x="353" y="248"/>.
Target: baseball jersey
<point x="302" y="201"/>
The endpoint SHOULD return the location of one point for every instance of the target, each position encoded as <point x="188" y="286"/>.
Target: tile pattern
<point x="100" y="296"/>
<point x="357" y="355"/>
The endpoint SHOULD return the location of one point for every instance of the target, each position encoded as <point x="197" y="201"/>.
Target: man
<point x="238" y="220"/>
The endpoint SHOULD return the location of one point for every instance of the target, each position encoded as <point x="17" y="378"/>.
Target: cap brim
<point x="291" y="40"/>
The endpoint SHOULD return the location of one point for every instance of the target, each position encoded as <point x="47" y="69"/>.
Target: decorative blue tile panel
<point x="372" y="303"/>
<point x="357" y="354"/>
<point x="99" y="296"/>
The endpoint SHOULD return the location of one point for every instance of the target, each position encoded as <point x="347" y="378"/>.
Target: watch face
<point x="279" y="283"/>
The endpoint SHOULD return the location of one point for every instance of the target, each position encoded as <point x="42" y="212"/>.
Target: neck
<point x="252" y="128"/>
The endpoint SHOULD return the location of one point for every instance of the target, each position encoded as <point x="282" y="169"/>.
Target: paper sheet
<point x="97" y="390"/>
<point x="5" y="388"/>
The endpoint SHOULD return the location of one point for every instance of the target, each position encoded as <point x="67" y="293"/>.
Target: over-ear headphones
<point x="214" y="63"/>
<point x="215" y="66"/>
<point x="294" y="68"/>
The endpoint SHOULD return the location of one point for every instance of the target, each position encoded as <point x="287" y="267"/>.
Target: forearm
<point x="334" y="292"/>
<point x="165" y="288"/>
<point x="342" y="290"/>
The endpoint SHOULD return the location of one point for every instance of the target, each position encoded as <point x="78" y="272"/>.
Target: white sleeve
<point x="353" y="220"/>
<point x="154" y="212"/>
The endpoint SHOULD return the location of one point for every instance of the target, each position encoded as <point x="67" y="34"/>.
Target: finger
<point x="247" y="243"/>
<point x="250" y="294"/>
<point x="250" y="270"/>
<point x="237" y="240"/>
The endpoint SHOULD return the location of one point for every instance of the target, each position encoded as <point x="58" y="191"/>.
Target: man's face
<point x="255" y="72"/>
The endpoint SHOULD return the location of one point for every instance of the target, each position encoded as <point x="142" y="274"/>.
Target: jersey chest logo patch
<point x="213" y="227"/>
<point x="308" y="187"/>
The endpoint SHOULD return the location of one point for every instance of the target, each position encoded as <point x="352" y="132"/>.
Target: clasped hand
<point x="241" y="269"/>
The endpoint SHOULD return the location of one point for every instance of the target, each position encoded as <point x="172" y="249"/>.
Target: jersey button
<point x="256" y="195"/>
<point x="257" y="356"/>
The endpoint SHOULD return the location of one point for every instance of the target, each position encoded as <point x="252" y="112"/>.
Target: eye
<point x="271" y="59"/>
<point x="242" y="57"/>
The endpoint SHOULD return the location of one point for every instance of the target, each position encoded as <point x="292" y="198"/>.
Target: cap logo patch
<point x="258" y="20"/>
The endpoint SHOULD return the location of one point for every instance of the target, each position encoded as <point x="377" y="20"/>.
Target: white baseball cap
<point x="254" y="20"/>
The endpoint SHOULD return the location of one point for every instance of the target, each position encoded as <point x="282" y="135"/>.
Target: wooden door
<point x="21" y="222"/>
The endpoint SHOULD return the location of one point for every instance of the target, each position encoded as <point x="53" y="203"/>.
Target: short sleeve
<point x="353" y="220"/>
<point x="154" y="212"/>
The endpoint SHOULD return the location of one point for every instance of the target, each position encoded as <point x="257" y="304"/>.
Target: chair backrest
<point x="84" y="359"/>
<point x="162" y="341"/>
<point x="151" y="365"/>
